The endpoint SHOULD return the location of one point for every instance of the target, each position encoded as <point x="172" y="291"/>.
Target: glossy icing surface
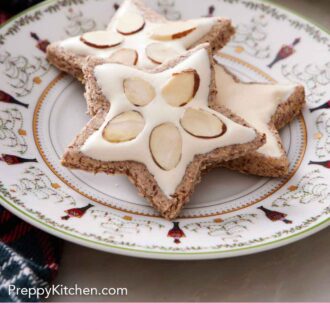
<point x="156" y="113"/>
<point x="140" y="40"/>
<point x="256" y="103"/>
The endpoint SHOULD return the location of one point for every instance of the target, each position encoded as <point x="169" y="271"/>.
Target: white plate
<point x="224" y="218"/>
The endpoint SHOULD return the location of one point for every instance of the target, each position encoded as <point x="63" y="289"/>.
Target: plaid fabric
<point x="29" y="258"/>
<point x="3" y="16"/>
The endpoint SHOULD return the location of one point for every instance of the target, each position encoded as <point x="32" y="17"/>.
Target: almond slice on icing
<point x="181" y="88"/>
<point x="125" y="127"/>
<point x="125" y="56"/>
<point x="130" y="23"/>
<point x="202" y="124"/>
<point x="138" y="91"/>
<point x="159" y="52"/>
<point x="173" y="30"/>
<point x="101" y="39"/>
<point x="166" y="146"/>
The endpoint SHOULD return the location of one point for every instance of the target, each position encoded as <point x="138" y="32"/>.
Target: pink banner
<point x="165" y="316"/>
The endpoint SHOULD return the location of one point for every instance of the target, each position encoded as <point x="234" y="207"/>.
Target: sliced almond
<point x="138" y="91"/>
<point x="124" y="56"/>
<point x="159" y="52"/>
<point x="181" y="88"/>
<point x="125" y="127"/>
<point x="202" y="124"/>
<point x="173" y="30"/>
<point x="101" y="39"/>
<point x="130" y="23"/>
<point x="166" y="146"/>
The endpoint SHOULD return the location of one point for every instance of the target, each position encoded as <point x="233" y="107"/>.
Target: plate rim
<point x="174" y="255"/>
<point x="105" y="247"/>
<point x="270" y="2"/>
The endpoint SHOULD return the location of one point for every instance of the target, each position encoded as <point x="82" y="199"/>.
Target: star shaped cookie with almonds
<point x="138" y="36"/>
<point x="268" y="108"/>
<point x="162" y="129"/>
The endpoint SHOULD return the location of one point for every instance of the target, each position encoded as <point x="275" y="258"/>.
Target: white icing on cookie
<point x="111" y="77"/>
<point x="140" y="40"/>
<point x="256" y="103"/>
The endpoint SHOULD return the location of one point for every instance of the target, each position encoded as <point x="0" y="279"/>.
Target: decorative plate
<point x="230" y="214"/>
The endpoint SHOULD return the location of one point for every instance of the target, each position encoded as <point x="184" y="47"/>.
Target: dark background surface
<point x="15" y="6"/>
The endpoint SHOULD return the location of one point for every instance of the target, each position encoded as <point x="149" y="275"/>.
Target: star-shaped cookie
<point x="140" y="37"/>
<point x="268" y="108"/>
<point x="162" y="129"/>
